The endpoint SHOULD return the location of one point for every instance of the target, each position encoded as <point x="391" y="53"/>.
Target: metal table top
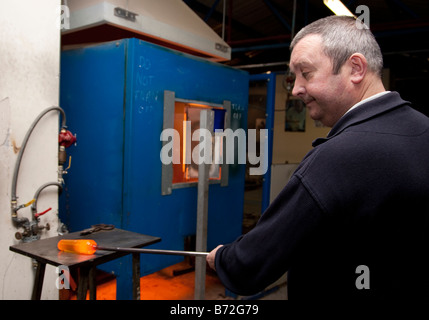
<point x="46" y="250"/>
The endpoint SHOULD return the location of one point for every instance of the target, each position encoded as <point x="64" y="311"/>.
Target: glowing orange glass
<point x="83" y="246"/>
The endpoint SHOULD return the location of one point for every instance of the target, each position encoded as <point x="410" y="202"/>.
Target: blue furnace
<point x="114" y="98"/>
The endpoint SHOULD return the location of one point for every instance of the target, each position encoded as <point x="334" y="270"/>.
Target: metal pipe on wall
<point x="14" y="198"/>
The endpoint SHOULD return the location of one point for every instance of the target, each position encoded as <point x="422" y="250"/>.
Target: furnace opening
<point x="186" y="122"/>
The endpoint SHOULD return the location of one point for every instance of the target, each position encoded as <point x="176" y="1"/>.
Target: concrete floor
<point x="163" y="285"/>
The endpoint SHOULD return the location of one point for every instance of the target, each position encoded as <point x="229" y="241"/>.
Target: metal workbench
<point x="46" y="252"/>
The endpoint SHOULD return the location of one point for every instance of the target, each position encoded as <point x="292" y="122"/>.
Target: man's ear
<point x="359" y="67"/>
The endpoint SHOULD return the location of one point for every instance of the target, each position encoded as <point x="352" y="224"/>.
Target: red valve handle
<point x="66" y="138"/>
<point x="42" y="213"/>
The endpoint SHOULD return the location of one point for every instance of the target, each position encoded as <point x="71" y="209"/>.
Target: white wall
<point x="29" y="83"/>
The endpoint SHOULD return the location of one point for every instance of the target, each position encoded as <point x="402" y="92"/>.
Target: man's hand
<point x="211" y="257"/>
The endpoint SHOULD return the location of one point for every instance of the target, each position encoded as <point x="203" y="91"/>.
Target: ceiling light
<point x="338" y="8"/>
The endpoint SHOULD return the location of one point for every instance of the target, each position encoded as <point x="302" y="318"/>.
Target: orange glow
<point x="161" y="285"/>
<point x="179" y="117"/>
<point x="82" y="246"/>
<point x="186" y="171"/>
<point x="199" y="105"/>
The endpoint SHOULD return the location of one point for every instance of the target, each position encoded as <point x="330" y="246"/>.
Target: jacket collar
<point x="366" y="111"/>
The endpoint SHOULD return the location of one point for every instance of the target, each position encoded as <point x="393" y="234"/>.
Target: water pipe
<point x="14" y="203"/>
<point x="36" y="197"/>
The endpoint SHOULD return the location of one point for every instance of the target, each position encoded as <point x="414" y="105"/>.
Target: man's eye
<point x="305" y="75"/>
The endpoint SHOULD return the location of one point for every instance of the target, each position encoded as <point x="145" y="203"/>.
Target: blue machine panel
<point x="92" y="94"/>
<point x="113" y="97"/>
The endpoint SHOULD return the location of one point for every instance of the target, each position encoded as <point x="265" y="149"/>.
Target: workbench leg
<point x="87" y="279"/>
<point x="92" y="284"/>
<point x="136" y="276"/>
<point x="82" y="286"/>
<point x="38" y="281"/>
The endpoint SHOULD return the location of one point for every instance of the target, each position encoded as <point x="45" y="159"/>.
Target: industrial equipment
<point x="121" y="97"/>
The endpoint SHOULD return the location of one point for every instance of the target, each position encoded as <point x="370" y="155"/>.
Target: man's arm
<point x="260" y="257"/>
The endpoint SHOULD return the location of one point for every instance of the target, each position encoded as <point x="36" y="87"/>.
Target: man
<point x="353" y="220"/>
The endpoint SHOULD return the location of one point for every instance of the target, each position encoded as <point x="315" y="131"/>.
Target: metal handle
<point x="156" y="251"/>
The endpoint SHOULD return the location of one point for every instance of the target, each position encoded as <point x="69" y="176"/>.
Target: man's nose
<point x="298" y="88"/>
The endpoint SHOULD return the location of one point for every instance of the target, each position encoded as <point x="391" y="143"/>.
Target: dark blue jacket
<point x="355" y="211"/>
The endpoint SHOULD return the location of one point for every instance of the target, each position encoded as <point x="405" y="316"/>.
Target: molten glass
<point x="81" y="246"/>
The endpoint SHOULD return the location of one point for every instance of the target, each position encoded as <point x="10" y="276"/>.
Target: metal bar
<point x="271" y="97"/>
<point x="92" y="284"/>
<point x="206" y="122"/>
<point x="223" y="19"/>
<point x="38" y="281"/>
<point x="155" y="251"/>
<point x="82" y="286"/>
<point x="292" y="35"/>
<point x="230" y="20"/>
<point x="167" y="169"/>
<point x="224" y="166"/>
<point x="271" y="90"/>
<point x="136" y="276"/>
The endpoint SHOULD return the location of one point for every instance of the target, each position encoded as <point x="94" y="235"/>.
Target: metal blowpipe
<point x="88" y="246"/>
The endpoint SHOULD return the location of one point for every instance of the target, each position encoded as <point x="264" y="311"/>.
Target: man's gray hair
<point x="341" y="37"/>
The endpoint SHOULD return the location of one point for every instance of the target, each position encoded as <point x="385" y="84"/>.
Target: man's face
<point x="324" y="93"/>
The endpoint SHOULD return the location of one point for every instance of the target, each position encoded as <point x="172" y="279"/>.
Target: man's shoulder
<point x="402" y="121"/>
<point x="373" y="142"/>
